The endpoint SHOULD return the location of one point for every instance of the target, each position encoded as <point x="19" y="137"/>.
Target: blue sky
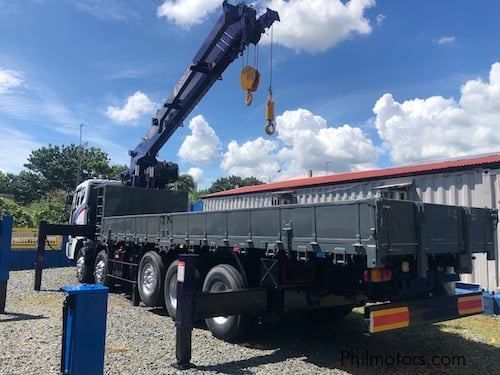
<point x="63" y="63"/>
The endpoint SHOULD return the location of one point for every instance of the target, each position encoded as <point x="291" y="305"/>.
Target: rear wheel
<point x="83" y="271"/>
<point x="170" y="288"/>
<point x="221" y="278"/>
<point x="101" y="268"/>
<point x="150" y="279"/>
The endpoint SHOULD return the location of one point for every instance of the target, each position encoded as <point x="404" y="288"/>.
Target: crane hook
<point x="249" y="80"/>
<point x="270" y="115"/>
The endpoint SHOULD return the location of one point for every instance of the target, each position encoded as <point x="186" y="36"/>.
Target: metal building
<point x="473" y="182"/>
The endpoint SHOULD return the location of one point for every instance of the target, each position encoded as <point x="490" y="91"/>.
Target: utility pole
<point x="270" y="178"/>
<point x="80" y="154"/>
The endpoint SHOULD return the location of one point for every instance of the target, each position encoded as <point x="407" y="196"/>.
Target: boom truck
<point x="400" y="257"/>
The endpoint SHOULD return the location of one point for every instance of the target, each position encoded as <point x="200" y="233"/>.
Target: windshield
<point x="78" y="200"/>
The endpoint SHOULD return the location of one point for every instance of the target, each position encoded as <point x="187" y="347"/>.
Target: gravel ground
<point x="141" y="340"/>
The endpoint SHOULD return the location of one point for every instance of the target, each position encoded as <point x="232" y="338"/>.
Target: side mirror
<point x="68" y="199"/>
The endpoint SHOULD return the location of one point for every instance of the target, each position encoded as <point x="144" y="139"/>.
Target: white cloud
<point x="252" y="158"/>
<point x="437" y="127"/>
<point x="38" y="107"/>
<point x="9" y="79"/>
<point x="137" y="105"/>
<point x="317" y="25"/>
<point x="306" y="25"/>
<point x="309" y="143"/>
<point x="445" y="40"/>
<point x="107" y="9"/>
<point x="196" y="173"/>
<point x="202" y="145"/>
<point x="187" y="12"/>
<point x="380" y="19"/>
<point x="304" y="141"/>
<point x="16" y="146"/>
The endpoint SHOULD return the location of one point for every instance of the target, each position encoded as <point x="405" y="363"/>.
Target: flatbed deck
<point x="377" y="228"/>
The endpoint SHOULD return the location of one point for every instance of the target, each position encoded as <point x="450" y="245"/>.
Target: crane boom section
<point x="237" y="28"/>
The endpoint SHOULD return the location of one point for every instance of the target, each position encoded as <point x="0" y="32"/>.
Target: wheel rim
<point x="148" y="278"/>
<point x="80" y="265"/>
<point x="172" y="290"/>
<point x="219" y="287"/>
<point x="99" y="272"/>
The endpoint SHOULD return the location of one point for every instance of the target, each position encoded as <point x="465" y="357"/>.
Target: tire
<point x="83" y="271"/>
<point x="170" y="288"/>
<point x="101" y="268"/>
<point x="150" y="279"/>
<point x="224" y="277"/>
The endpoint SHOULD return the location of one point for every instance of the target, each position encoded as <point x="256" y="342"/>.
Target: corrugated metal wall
<point x="474" y="188"/>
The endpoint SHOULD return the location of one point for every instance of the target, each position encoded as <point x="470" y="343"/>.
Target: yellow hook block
<point x="249" y="80"/>
<point x="270" y="115"/>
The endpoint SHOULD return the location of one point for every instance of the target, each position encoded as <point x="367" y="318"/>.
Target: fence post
<point x="84" y="329"/>
<point x="184" y="316"/>
<point x="5" y="241"/>
<point x="40" y="254"/>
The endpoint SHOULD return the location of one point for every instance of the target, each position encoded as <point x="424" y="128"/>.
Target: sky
<point x="358" y="84"/>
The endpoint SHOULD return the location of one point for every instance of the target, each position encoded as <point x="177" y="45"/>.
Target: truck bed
<point x="378" y="228"/>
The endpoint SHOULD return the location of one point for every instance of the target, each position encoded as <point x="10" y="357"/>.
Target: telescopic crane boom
<point x="237" y="28"/>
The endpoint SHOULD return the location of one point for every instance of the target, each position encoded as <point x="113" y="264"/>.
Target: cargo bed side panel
<point x="482" y="231"/>
<point x="396" y="228"/>
<point x="265" y="226"/>
<point x="443" y="229"/>
<point x="345" y="228"/>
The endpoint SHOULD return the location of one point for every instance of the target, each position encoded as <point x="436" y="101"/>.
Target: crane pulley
<point x="249" y="80"/>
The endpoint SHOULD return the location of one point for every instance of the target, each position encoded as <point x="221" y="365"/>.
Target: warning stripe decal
<point x="470" y="305"/>
<point x="384" y="320"/>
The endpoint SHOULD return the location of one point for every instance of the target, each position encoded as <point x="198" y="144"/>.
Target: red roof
<point x="424" y="168"/>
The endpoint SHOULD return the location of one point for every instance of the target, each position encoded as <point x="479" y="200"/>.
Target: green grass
<point x="480" y="328"/>
<point x="474" y="340"/>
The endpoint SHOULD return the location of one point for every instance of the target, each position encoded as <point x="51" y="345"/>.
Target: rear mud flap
<point x="390" y="316"/>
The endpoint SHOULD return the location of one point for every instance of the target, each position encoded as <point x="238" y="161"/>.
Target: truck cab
<point x="82" y="210"/>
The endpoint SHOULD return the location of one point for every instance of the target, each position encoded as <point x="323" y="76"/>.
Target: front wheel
<point x="221" y="278"/>
<point x="83" y="271"/>
<point x="101" y="268"/>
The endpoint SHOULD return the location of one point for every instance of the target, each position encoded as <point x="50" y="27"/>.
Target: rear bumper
<point x="391" y="316"/>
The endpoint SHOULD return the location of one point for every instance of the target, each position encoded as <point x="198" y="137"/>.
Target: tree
<point x="195" y="195"/>
<point x="232" y="182"/>
<point x="19" y="213"/>
<point x="186" y="183"/>
<point x="26" y="186"/>
<point x="51" y="209"/>
<point x="58" y="165"/>
<point x="115" y="171"/>
<point x="251" y="181"/>
<point x="4" y="183"/>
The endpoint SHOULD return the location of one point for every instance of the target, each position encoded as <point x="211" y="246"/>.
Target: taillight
<point x="377" y="275"/>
